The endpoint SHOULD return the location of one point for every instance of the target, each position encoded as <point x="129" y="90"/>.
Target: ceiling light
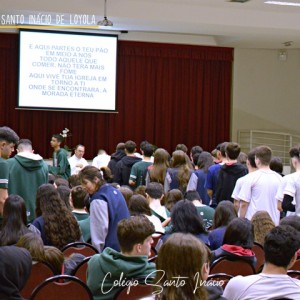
<point x="283" y="3"/>
<point x="105" y="21"/>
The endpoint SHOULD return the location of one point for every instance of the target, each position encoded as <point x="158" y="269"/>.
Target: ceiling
<point x="252" y="24"/>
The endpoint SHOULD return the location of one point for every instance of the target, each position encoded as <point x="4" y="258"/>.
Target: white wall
<point x="266" y="91"/>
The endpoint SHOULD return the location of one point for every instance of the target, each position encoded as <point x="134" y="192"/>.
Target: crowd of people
<point x="203" y="205"/>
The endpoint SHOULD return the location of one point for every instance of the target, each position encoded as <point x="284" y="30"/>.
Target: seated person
<point x="280" y="247"/>
<point x="15" y="269"/>
<point x="205" y="211"/>
<point x="237" y="242"/>
<point x="77" y="198"/>
<point x="135" y="239"/>
<point x="155" y="193"/>
<point x="85" y="225"/>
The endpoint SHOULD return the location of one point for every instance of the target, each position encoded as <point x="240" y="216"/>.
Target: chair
<point x="221" y="278"/>
<point x="83" y="248"/>
<point x="39" y="272"/>
<point x="81" y="269"/>
<point x="142" y="291"/>
<point x="260" y="256"/>
<point x="62" y="287"/>
<point x="232" y="266"/>
<point x="294" y="274"/>
<point x="296" y="265"/>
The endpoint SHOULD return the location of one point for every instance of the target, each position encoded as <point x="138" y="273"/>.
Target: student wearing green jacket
<point x="109" y="270"/>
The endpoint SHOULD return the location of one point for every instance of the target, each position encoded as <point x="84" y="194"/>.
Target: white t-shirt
<point x="259" y="189"/>
<point x="292" y="188"/>
<point x="73" y="161"/>
<point x="156" y="222"/>
<point x="262" y="287"/>
<point x="101" y="160"/>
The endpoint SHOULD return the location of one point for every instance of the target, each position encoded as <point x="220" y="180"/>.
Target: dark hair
<point x="171" y="197"/>
<point x="61" y="227"/>
<point x="242" y="158"/>
<point x="14" y="220"/>
<point x="251" y="158"/>
<point x="132" y="231"/>
<point x="130" y="147"/>
<point x="223" y="147"/>
<point x="186" y="219"/>
<point x="205" y="160"/>
<point x="8" y="135"/>
<point x="224" y="213"/>
<point x="233" y="150"/>
<point x="138" y="205"/>
<point x="292" y="220"/>
<point x="192" y="195"/>
<point x="276" y="164"/>
<point x="147" y="150"/>
<point x="90" y="173"/>
<point x="120" y="146"/>
<point x="126" y="191"/>
<point x="264" y="154"/>
<point x="281" y="244"/>
<point x="51" y="178"/>
<point x="155" y="190"/>
<point x="78" y="195"/>
<point x="79" y="145"/>
<point x="64" y="193"/>
<point x="239" y="232"/>
<point x="59" y="137"/>
<point x="295" y="152"/>
<point x="141" y="190"/>
<point x="61" y="181"/>
<point x="182" y="147"/>
<point x="196" y="149"/>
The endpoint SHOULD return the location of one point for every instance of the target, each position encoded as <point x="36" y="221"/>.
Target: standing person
<point x="107" y="208"/>
<point x="101" y="160"/>
<point x="76" y="161"/>
<point x="116" y="157"/>
<point x="259" y="189"/>
<point x="123" y="167"/>
<point x="139" y="169"/>
<point x="61" y="164"/>
<point x="8" y="140"/>
<point x="27" y="171"/>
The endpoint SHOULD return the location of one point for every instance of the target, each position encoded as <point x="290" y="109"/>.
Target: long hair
<point x="224" y="213"/>
<point x="262" y="225"/>
<point x="90" y="173"/>
<point x="138" y="205"/>
<point x="61" y="227"/>
<point x="182" y="162"/>
<point x="181" y="255"/>
<point x="160" y="166"/>
<point x="14" y="220"/>
<point x="186" y="219"/>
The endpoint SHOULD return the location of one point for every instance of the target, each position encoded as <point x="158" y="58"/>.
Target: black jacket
<point x="114" y="159"/>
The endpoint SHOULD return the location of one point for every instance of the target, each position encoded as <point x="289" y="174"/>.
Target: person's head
<point x="281" y="246"/>
<point x="8" y="140"/>
<point x="263" y="155"/>
<point x="232" y="150"/>
<point x="172" y="197"/>
<point x="292" y="220"/>
<point x="195" y="149"/>
<point x="91" y="179"/>
<point x="78" y="195"/>
<point x="126" y="191"/>
<point x="276" y="164"/>
<point x="295" y="156"/>
<point x="222" y="148"/>
<point x="138" y="205"/>
<point x="34" y="244"/>
<point x="186" y="256"/>
<point x="154" y="190"/>
<point x="55" y="258"/>
<point x="120" y="146"/>
<point x="14" y="220"/>
<point x="64" y="193"/>
<point x="224" y="213"/>
<point x="192" y="195"/>
<point x="178" y="159"/>
<point x="251" y="160"/>
<point x="73" y="180"/>
<point x="60" y="181"/>
<point x="130" y="147"/>
<point x="205" y="160"/>
<point x="182" y="147"/>
<point x="262" y="224"/>
<point x="141" y="190"/>
<point x="147" y="150"/>
<point x="79" y="151"/>
<point x="239" y="232"/>
<point x="24" y="145"/>
<point x="135" y="235"/>
<point x="161" y="157"/>
<point x="56" y="140"/>
<point x="242" y="158"/>
<point x="186" y="219"/>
